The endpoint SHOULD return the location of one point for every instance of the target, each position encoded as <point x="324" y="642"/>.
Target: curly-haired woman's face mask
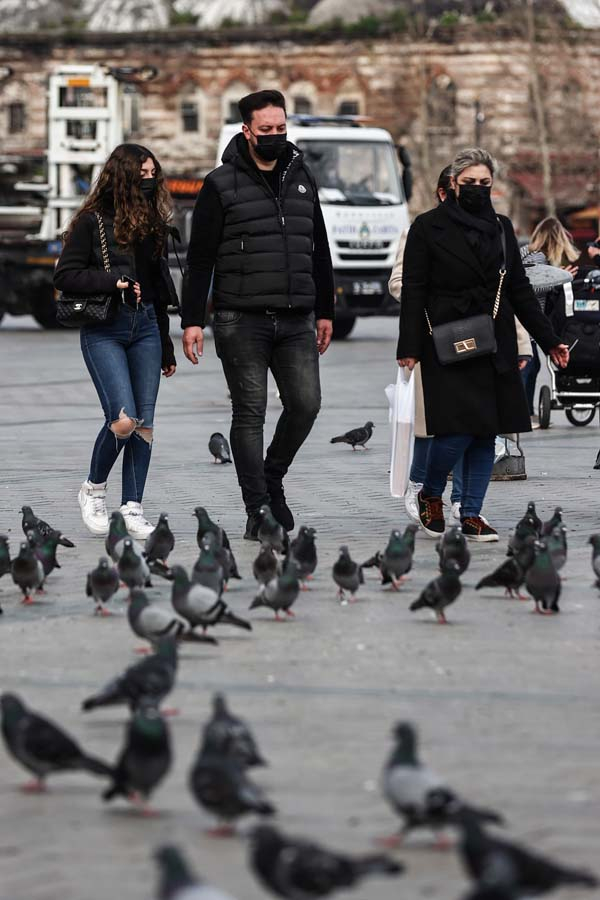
<point x="148" y="182"/>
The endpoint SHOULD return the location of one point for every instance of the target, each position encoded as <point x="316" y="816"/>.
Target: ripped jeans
<point x="124" y="361"/>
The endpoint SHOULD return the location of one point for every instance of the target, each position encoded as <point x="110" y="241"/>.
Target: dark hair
<point x="443" y="182"/>
<point x="249" y="104"/>
<point x="118" y="187"/>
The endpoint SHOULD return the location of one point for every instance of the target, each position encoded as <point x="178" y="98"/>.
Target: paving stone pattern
<point x="506" y="702"/>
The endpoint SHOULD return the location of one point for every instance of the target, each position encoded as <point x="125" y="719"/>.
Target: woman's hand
<point x="560" y="355"/>
<point x="123" y="285"/>
<point x="572" y="270"/>
<point x="408" y="361"/>
<point x="169" y="370"/>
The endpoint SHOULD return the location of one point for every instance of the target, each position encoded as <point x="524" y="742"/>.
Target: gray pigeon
<point x="595" y="542"/>
<point x="347" y="574"/>
<point x="356" y="437"/>
<point x="4" y="556"/>
<point x="200" y="605"/>
<point x="219" y="448"/>
<point x="229" y="736"/>
<point x="44" y="548"/>
<point x="509" y="575"/>
<point x="145" y="758"/>
<point x="30" y="522"/>
<point x="265" y="566"/>
<point x="543" y="581"/>
<point x="453" y="545"/>
<point x="440" y="592"/>
<point x="132" y="567"/>
<point x="152" y="678"/>
<point x="524" y="529"/>
<point x="281" y="592"/>
<point x="532" y="512"/>
<point x="102" y="583"/>
<point x="205" y="523"/>
<point x="304" y="552"/>
<point x="151" y="622"/>
<point x="27" y="572"/>
<point x="178" y="882"/>
<point x="208" y="571"/>
<point x="160" y="542"/>
<point x="557" y="546"/>
<point x="396" y="560"/>
<point x="270" y="532"/>
<point x="554" y="522"/>
<point x="117" y="535"/>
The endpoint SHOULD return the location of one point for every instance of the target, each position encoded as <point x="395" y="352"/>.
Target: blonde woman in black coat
<point x="452" y="265"/>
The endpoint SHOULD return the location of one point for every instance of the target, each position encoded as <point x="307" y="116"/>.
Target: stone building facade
<point x="433" y="95"/>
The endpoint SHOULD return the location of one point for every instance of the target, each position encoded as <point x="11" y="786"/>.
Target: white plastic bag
<point x="403" y="426"/>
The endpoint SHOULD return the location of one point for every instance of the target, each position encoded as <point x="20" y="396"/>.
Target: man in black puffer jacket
<point x="258" y="233"/>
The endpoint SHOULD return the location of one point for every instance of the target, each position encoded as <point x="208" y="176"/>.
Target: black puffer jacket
<point x="80" y="270"/>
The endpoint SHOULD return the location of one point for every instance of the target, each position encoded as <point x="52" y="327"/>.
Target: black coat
<point x="80" y="270"/>
<point x="441" y="273"/>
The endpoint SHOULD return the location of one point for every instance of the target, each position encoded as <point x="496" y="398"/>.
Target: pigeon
<point x="557" y="546"/>
<point x="356" y="437"/>
<point x="219" y="448"/>
<point x="543" y="581"/>
<point x="304" y="552"/>
<point x="27" y="572"/>
<point x="160" y="542"/>
<point x="525" y="528"/>
<point x="132" y="567"/>
<point x="4" y="556"/>
<point x="595" y="542"/>
<point x="531" y="874"/>
<point x="396" y="560"/>
<point x="102" y="583"/>
<point x="265" y="566"/>
<point x="440" y="592"/>
<point x="200" y="605"/>
<point x="226" y="735"/>
<point x="151" y="622"/>
<point x="221" y="786"/>
<point x="117" y="535"/>
<point x="178" y="882"/>
<point x="205" y="523"/>
<point x="453" y="545"/>
<point x="44" y="548"/>
<point x="41" y="746"/>
<point x="30" y="522"/>
<point x="510" y="575"/>
<point x="281" y="592"/>
<point x="417" y="793"/>
<point x="145" y="758"/>
<point x="224" y="555"/>
<point x="554" y="522"/>
<point x="532" y="513"/>
<point x="347" y="574"/>
<point x="299" y="868"/>
<point x="208" y="571"/>
<point x="270" y="532"/>
<point x="152" y="677"/>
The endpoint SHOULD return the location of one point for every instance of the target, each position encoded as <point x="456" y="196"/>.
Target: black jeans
<point x="248" y="345"/>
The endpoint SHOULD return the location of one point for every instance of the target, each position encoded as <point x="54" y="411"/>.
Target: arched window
<point x="131" y="111"/>
<point x="229" y="102"/>
<point x="16" y="117"/>
<point x="190" y="114"/>
<point x="441" y="105"/>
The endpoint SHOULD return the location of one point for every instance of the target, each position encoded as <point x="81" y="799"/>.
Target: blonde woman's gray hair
<point x="472" y="156"/>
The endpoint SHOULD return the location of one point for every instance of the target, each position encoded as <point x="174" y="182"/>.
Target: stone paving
<point x="506" y="702"/>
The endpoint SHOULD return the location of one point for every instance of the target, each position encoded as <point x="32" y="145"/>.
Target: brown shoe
<point x="431" y="515"/>
<point x="475" y="528"/>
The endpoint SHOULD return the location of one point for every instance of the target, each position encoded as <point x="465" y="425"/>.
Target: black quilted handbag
<point x="76" y="310"/>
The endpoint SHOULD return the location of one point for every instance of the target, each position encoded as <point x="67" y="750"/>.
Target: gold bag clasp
<point x="465" y="346"/>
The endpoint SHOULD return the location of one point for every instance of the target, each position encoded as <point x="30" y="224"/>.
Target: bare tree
<point x="539" y="111"/>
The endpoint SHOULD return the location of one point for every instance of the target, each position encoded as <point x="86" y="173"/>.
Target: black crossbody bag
<point x="76" y="310"/>
<point x="473" y="336"/>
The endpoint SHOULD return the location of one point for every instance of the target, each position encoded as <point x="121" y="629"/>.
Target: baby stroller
<point x="574" y="310"/>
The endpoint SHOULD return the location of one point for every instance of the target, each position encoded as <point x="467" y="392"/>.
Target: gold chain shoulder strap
<point x="103" y="244"/>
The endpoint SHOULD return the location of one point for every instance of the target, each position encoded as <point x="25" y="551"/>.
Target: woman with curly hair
<point x="125" y="355"/>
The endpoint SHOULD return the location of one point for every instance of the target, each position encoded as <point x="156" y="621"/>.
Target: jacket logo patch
<point x="301" y="188"/>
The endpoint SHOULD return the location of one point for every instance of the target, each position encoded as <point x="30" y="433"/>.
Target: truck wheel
<point x="43" y="309"/>
<point x="343" y="327"/>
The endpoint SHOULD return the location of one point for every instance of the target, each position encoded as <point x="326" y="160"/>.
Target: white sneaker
<point x="410" y="501"/>
<point x="92" y="502"/>
<point x="455" y="513"/>
<point x="137" y="525"/>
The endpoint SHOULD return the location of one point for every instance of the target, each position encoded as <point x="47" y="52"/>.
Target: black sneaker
<point x="279" y="507"/>
<point x="431" y="515"/>
<point x="252" y="526"/>
<point x="475" y="528"/>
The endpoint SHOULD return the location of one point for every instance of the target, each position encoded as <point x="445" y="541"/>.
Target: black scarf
<point x="482" y="232"/>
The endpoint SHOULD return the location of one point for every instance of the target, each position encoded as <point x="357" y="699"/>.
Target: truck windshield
<point x="360" y="173"/>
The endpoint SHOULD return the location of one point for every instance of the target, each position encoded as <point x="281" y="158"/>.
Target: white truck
<point x="363" y="194"/>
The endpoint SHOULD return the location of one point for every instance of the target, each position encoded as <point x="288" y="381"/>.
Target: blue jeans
<point x="124" y="361"/>
<point x="478" y="461"/>
<point x="419" y="468"/>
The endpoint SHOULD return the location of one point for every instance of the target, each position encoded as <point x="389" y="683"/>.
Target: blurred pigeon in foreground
<point x="304" y="552"/>
<point x="152" y="678"/>
<point x="145" y="758"/>
<point x="178" y="882"/>
<point x="132" y="567"/>
<point x="533" y="875"/>
<point x="160" y="542"/>
<point x="595" y="542"/>
<point x="265" y="566"/>
<point x="347" y="574"/>
<point x="102" y="583"/>
<point x="270" y="532"/>
<point x="417" y="793"/>
<point x="41" y="746"/>
<point x="298" y="868"/>
<point x="27" y="572"/>
<point x="219" y="448"/>
<point x="30" y="522"/>
<point x="453" y="545"/>
<point x="281" y="592"/>
<point x="440" y="592"/>
<point x="226" y="735"/>
<point x="151" y="622"/>
<point x="543" y="581"/>
<point x="201" y="606"/>
<point x="356" y="437"/>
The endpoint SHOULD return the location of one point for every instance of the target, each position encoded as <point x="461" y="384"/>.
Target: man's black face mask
<point x="475" y="198"/>
<point x="270" y="146"/>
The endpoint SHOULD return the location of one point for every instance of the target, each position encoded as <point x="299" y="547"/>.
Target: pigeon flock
<point x="219" y="782"/>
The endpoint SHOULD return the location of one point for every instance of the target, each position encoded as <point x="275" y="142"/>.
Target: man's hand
<point x="193" y="337"/>
<point x="560" y="355"/>
<point x="324" y="334"/>
<point x="408" y="361"/>
<point x="169" y="370"/>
